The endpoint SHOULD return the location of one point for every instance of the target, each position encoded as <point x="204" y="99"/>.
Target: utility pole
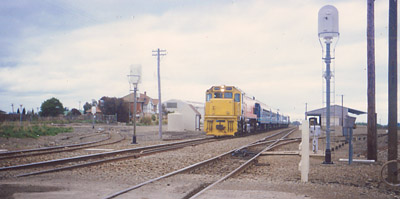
<point x="372" y="149"/>
<point x="12" y="107"/>
<point x="392" y="80"/>
<point x="159" y="53"/>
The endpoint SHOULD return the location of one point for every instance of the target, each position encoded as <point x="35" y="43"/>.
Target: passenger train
<point x="230" y="112"/>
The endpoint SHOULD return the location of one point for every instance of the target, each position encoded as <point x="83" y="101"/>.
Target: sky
<point x="77" y="51"/>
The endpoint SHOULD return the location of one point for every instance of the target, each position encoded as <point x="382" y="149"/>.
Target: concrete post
<point x="304" y="165"/>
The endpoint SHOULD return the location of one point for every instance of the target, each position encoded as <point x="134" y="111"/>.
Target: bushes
<point x="145" y="120"/>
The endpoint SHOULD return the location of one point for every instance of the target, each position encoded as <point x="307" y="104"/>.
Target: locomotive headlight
<point x="222" y="90"/>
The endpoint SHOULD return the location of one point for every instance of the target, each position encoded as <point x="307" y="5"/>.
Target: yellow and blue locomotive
<point x="230" y="112"/>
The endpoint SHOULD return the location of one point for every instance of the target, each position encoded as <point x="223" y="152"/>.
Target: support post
<point x="350" y="136"/>
<point x="20" y="115"/>
<point x="304" y="165"/>
<point x="392" y="126"/>
<point x="372" y="149"/>
<point x="134" y="114"/>
<point x="305" y="115"/>
<point x="159" y="53"/>
<point x="159" y="97"/>
<point x="328" y="159"/>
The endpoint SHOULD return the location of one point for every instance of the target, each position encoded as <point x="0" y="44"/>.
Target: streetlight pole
<point x="328" y="30"/>
<point x="134" y="114"/>
<point x="134" y="78"/>
<point x="328" y="103"/>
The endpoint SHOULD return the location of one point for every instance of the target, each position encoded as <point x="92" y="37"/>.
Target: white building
<point x="184" y="115"/>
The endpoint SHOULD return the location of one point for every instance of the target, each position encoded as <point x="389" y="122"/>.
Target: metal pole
<point x="328" y="103"/>
<point x="20" y="115"/>
<point x="134" y="114"/>
<point x="342" y="118"/>
<point x="392" y="126"/>
<point x="342" y="113"/>
<point x="350" y="132"/>
<point x="305" y="115"/>
<point x="159" y="96"/>
<point x="372" y="149"/>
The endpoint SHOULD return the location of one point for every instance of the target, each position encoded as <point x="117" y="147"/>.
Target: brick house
<point x="146" y="106"/>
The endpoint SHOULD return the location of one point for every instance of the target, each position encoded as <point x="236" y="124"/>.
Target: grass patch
<point x="31" y="131"/>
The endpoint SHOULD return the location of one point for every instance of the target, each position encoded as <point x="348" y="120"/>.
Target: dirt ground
<point x="273" y="176"/>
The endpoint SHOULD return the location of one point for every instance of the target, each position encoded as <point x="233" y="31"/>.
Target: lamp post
<point x="134" y="79"/>
<point x="328" y="33"/>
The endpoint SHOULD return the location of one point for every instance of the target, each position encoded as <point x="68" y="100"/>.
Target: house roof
<point x="155" y="101"/>
<point x="335" y="109"/>
<point x="141" y="98"/>
<point x="97" y="110"/>
<point x="194" y="109"/>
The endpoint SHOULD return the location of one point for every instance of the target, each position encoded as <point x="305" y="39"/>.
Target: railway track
<point x="59" y="149"/>
<point x="98" y="158"/>
<point x="237" y="159"/>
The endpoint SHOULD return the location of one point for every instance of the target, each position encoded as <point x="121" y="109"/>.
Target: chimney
<point x="145" y="94"/>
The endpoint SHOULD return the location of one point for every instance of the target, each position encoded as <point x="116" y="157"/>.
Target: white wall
<point x="188" y="114"/>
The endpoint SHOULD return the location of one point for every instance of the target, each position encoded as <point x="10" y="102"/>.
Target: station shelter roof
<point x="336" y="110"/>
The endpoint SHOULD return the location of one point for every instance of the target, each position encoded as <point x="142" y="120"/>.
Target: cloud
<point x="268" y="49"/>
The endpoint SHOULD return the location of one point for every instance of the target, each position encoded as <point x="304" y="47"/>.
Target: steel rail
<point x="54" y="147"/>
<point x="191" y="167"/>
<point x="241" y="167"/>
<point x="135" y="155"/>
<point x="84" y="157"/>
<point x="67" y="149"/>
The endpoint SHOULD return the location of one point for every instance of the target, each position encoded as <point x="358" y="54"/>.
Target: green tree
<point x="51" y="107"/>
<point x="86" y="107"/>
<point x="74" y="112"/>
<point x="113" y="105"/>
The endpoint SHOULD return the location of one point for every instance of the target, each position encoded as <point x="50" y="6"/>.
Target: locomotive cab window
<point x="237" y="97"/>
<point x="208" y="97"/>
<point x="217" y="95"/>
<point x="228" y="95"/>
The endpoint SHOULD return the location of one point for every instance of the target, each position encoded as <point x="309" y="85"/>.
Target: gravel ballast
<point x="271" y="177"/>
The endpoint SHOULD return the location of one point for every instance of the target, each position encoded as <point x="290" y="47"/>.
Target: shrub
<point x="145" y="120"/>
